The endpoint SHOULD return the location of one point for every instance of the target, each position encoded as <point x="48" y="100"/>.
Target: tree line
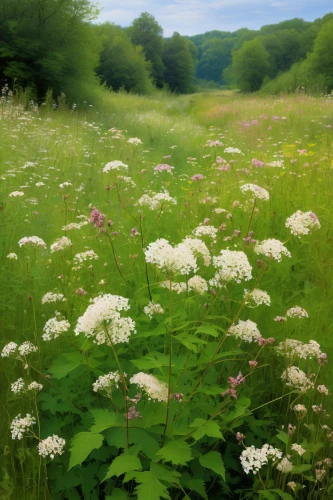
<point x="54" y="44"/>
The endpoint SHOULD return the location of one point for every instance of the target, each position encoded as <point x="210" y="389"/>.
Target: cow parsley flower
<point x="272" y="248"/>
<point x="9" y="349"/>
<point x="245" y="330"/>
<point x="323" y="390"/>
<point x="297" y="379"/>
<point x="256" y="297"/>
<point x="134" y="140"/>
<point x="284" y="466"/>
<point x="20" y="426"/>
<point x="204" y="230"/>
<point x="60" y="244"/>
<point x="15" y="194"/>
<point x="156" y="201"/>
<point x="107" y="382"/>
<point x="253" y="459"/>
<point x="27" y="348"/>
<point x="51" y="446"/>
<point x="154" y="389"/>
<point x="18" y="387"/>
<point x="258" y="192"/>
<point x="297" y="312"/>
<point x="300" y="223"/>
<point x="102" y="320"/>
<point x="12" y="256"/>
<point x="51" y="297"/>
<point x="197" y="284"/>
<point x="231" y="266"/>
<point x="175" y="287"/>
<point x="35" y="241"/>
<point x="54" y="327"/>
<point x="115" y="165"/>
<point x="151" y="309"/>
<point x="292" y="348"/>
<point x="178" y="259"/>
<point x="34" y="386"/>
<point x="81" y="257"/>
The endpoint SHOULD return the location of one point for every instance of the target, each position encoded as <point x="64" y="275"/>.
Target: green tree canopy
<point x="215" y="58"/>
<point x="319" y="64"/>
<point x="179" y="65"/>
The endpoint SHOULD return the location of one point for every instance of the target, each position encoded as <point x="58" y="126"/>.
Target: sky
<point x="192" y="17"/>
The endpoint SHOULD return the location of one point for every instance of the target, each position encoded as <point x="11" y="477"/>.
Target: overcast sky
<point x="191" y="17"/>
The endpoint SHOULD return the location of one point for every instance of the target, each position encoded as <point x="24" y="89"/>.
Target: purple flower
<point x="133" y="413"/>
<point x="96" y="217"/>
<point x="197" y="177"/>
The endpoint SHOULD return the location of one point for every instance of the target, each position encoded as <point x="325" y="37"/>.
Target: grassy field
<point x="198" y="388"/>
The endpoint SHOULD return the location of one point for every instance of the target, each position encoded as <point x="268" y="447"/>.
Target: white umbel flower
<point x="272" y="248"/>
<point x="81" y="257"/>
<point x="51" y="297"/>
<point x="199" y="248"/>
<point x="115" y="165"/>
<point x="134" y="140"/>
<point x="20" y="426"/>
<point x="60" y="244"/>
<point x="292" y="348"/>
<point x="258" y="192"/>
<point x="245" y="330"/>
<point x="27" y="348"/>
<point x="175" y="287"/>
<point x="297" y="312"/>
<point x="156" y="201"/>
<point x="18" y="387"/>
<point x="284" y="466"/>
<point x="51" y="446"/>
<point x="9" y="349"/>
<point x="300" y="223"/>
<point x="107" y="382"/>
<point x="206" y="230"/>
<point x="12" y="256"/>
<point x="231" y="266"/>
<point x="197" y="284"/>
<point x="35" y="241"/>
<point x="256" y="297"/>
<point x="151" y="309"/>
<point x="297" y="379"/>
<point x="151" y="385"/>
<point x="54" y="327"/>
<point x="178" y="259"/>
<point x="16" y="194"/>
<point x="253" y="459"/>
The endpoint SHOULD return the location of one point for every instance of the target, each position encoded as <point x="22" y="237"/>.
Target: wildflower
<point x="245" y="330"/>
<point x="205" y="230"/>
<point x="9" y="349"/>
<point x="197" y="177"/>
<point x="134" y="140"/>
<point x="219" y="210"/>
<point x="301" y="409"/>
<point x="134" y="232"/>
<point x="296" y="379"/>
<point x="115" y="165"/>
<point x="96" y="217"/>
<point x="320" y="473"/>
<point x="51" y="446"/>
<point x="12" y="256"/>
<point x="297" y="312"/>
<point x="107" y="382"/>
<point x="172" y="260"/>
<point x="272" y="248"/>
<point x="54" y="327"/>
<point x="323" y="390"/>
<point x="18" y="386"/>
<point x="32" y="240"/>
<point x="298" y="448"/>
<point x="60" y="244"/>
<point x="156" y="201"/>
<point x="231" y="265"/>
<point x="154" y="389"/>
<point x="292" y="348"/>
<point x="83" y="256"/>
<point x="262" y="342"/>
<point x="291" y="429"/>
<point x="80" y="291"/>
<point x="103" y="321"/>
<point x="152" y="309"/>
<point x="163" y="167"/>
<point x="233" y="151"/>
<point x="133" y="413"/>
<point x="280" y="319"/>
<point x="258" y="192"/>
<point x="256" y="297"/>
<point x="178" y="397"/>
<point x="253" y="363"/>
<point x="197" y="284"/>
<point x="19" y="425"/>
<point x="320" y="410"/>
<point x="51" y="297"/>
<point x="65" y="184"/>
<point x="253" y="459"/>
<point x="15" y="194"/>
<point x="300" y="223"/>
<point x="322" y="360"/>
<point x="284" y="466"/>
<point x="199" y="248"/>
<point x="240" y="437"/>
<point x="175" y="287"/>
<point x="292" y="485"/>
<point x="34" y="386"/>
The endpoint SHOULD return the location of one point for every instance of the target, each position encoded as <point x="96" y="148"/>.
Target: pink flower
<point x="96" y="217"/>
<point x="258" y="163"/>
<point x="253" y="363"/>
<point x="163" y="166"/>
<point x="197" y="177"/>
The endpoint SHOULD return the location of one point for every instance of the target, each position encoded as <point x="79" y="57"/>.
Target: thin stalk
<point x="169" y="370"/>
<point x="146" y="266"/>
<point x="115" y="259"/>
<point x="250" y="221"/>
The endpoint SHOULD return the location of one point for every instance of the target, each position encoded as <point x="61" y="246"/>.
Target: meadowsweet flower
<point x="297" y="379"/>
<point x="16" y="194"/>
<point x="298" y="448"/>
<point x="300" y="409"/>
<point x="258" y="192"/>
<point x="323" y="390"/>
<point x="231" y="266"/>
<point x="154" y="389"/>
<point x="102" y="320"/>
<point x="233" y="151"/>
<point x="272" y="248"/>
<point x="199" y="248"/>
<point x="206" y="230"/>
<point x="197" y="284"/>
<point x="178" y="259"/>
<point x="51" y="297"/>
<point x="81" y="257"/>
<point x="151" y="309"/>
<point x="20" y="426"/>
<point x="27" y="348"/>
<point x="107" y="383"/>
<point x="32" y="240"/>
<point x="291" y="348"/>
<point x="60" y="244"/>
<point x="175" y="287"/>
<point x="18" y="387"/>
<point x="34" y="386"/>
<point x="253" y="459"/>
<point x="284" y="466"/>
<point x="54" y="327"/>
<point x="300" y="223"/>
<point x="134" y="140"/>
<point x="297" y="312"/>
<point x="156" y="201"/>
<point x="12" y="256"/>
<point x="9" y="349"/>
<point x="115" y="165"/>
<point x="51" y="446"/>
<point x="245" y="330"/>
<point x="256" y="297"/>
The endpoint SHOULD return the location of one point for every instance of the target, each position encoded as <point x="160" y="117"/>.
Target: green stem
<point x="169" y="370"/>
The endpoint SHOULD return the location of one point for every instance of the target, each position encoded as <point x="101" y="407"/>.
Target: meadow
<point x="166" y="298"/>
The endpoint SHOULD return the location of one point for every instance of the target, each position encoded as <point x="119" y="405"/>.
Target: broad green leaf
<point x="190" y="341"/>
<point x="298" y="469"/>
<point x="147" y="442"/>
<point x="82" y="444"/>
<point x="208" y="330"/>
<point x="197" y="485"/>
<point x="283" y="436"/>
<point x="282" y="494"/>
<point x="164" y="474"/>
<point x="104" y="419"/>
<point x="271" y="494"/>
<point x="65" y="364"/>
<point x="177" y="452"/>
<point x="152" y="360"/>
<point x="204" y="428"/>
<point x="150" y="488"/>
<point x="213" y="461"/>
<point x="125" y="462"/>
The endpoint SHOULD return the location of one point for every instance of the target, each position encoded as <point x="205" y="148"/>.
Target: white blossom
<point x="297" y="312"/>
<point x="81" y="257"/>
<point x="12" y="256"/>
<point x="18" y="387"/>
<point x="231" y="265"/>
<point x="51" y="297"/>
<point x="206" y="230"/>
<point x="9" y="349"/>
<point x="35" y="386"/>
<point x="27" y="348"/>
<point x="107" y="382"/>
<point x="272" y="248"/>
<point x="292" y="348"/>
<point x="245" y="330"/>
<point x="171" y="259"/>
<point x="152" y="309"/>
<point x="16" y="194"/>
<point x="253" y="459"/>
<point x="19" y="425"/>
<point x="51" y="446"/>
<point x="134" y="140"/>
<point x="197" y="284"/>
<point x="60" y="244"/>
<point x="54" y="327"/>
<point x="32" y="240"/>
<point x="256" y="297"/>
<point x="156" y="201"/>
<point x="257" y="191"/>
<point x="179" y="287"/>
<point x="115" y="165"/>
<point x="297" y="379"/>
<point x="298" y="448"/>
<point x="300" y="223"/>
<point x="323" y="390"/>
<point x="151" y="385"/>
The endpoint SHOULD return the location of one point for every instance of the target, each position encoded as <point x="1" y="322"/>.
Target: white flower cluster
<point x="292" y="348"/>
<point x="233" y="151"/>
<point x="256" y="297"/>
<point x="176" y="287"/>
<point x="102" y="320"/>
<point x="300" y="408"/>
<point x="134" y="140"/>
<point x="156" y="201"/>
<point x="298" y="448"/>
<point x="272" y="248"/>
<point x="297" y="379"/>
<point x="253" y="459"/>
<point x="152" y="309"/>
<point x="83" y="256"/>
<point x="27" y="348"/>
<point x="21" y="425"/>
<point x="245" y="330"/>
<point x="257" y="191"/>
<point x="171" y="259"/>
<point x="60" y="244"/>
<point x="9" y="349"/>
<point x="297" y="312"/>
<point x="32" y="240"/>
<point x="231" y="265"/>
<point x="323" y="390"/>
<point x="300" y="223"/>
<point x="14" y="194"/>
<point x="20" y="386"/>
<point x="51" y="446"/>
<point x="197" y="284"/>
<point x="151" y="385"/>
<point x="55" y="327"/>
<point x="12" y="256"/>
<point x="51" y="297"/>
<point x="73" y="225"/>
<point x="284" y="466"/>
<point x="107" y="382"/>
<point x="199" y="248"/>
<point x="115" y="165"/>
<point x="206" y="230"/>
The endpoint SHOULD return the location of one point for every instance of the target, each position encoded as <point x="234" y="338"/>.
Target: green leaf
<point x="148" y="443"/>
<point x="164" y="474"/>
<point x="126" y="462"/>
<point x="213" y="461"/>
<point x="104" y="419"/>
<point x="279" y="492"/>
<point x="177" y="452"/>
<point x="298" y="469"/>
<point x="82" y="444"/>
<point x="208" y="330"/>
<point x="152" y="360"/>
<point x="197" y="485"/>
<point x="65" y="364"/>
<point x="283" y="436"/>
<point x="204" y="428"/>
<point x="118" y="494"/>
<point x="190" y="341"/>
<point x="150" y="488"/>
